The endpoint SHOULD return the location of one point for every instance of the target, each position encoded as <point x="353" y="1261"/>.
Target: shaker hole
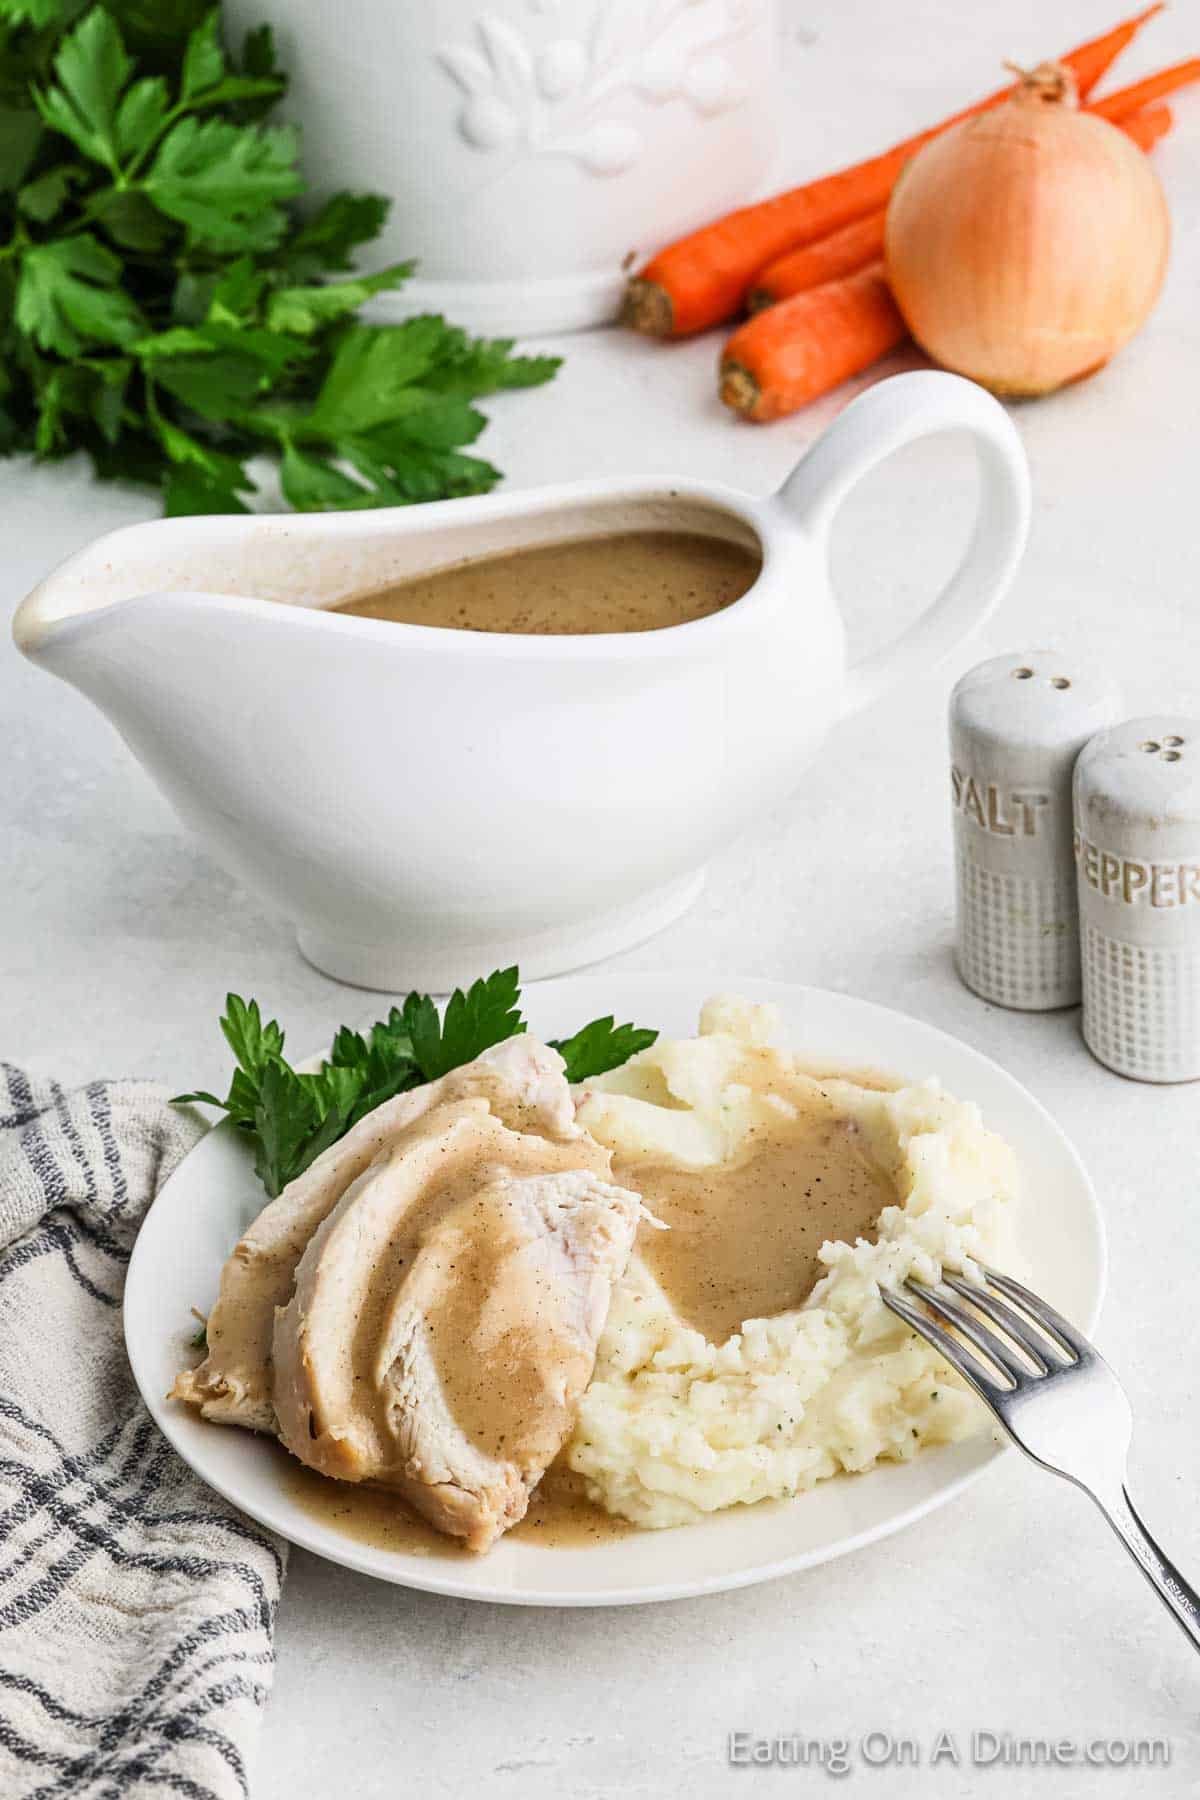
<point x="1172" y="743"/>
<point x="1151" y="747"/>
<point x="1059" y="681"/>
<point x="1171" y="756"/>
<point x="1023" y="674"/>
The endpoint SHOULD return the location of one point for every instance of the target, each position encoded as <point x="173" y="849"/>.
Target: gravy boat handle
<point x="879" y="422"/>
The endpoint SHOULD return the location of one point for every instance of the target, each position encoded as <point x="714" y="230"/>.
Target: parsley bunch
<point x="164" y="306"/>
<point x="293" y="1116"/>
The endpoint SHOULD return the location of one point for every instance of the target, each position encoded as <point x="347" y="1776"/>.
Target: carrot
<point x="792" y="353"/>
<point x="827" y="258"/>
<point x="1126" y="101"/>
<point x="1089" y="62"/>
<point x="799" y="348"/>
<point x="1148" y="126"/>
<point x="703" y="279"/>
<point x="857" y="244"/>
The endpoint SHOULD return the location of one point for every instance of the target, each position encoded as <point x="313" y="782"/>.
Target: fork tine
<point x="993" y="1347"/>
<point x="968" y="1366"/>
<point x="1071" y="1340"/>
<point x="1035" y="1343"/>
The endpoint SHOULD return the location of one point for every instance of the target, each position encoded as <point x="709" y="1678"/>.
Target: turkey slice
<point x="328" y="1392"/>
<point x="491" y="1340"/>
<point x="521" y="1080"/>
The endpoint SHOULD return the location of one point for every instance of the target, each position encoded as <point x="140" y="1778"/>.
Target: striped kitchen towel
<point x="136" y="1607"/>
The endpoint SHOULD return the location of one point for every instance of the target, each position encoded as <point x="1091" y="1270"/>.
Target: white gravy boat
<point x="427" y="803"/>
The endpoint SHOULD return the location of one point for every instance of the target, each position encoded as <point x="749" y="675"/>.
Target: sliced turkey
<point x="521" y="1081"/>
<point x="476" y="1266"/>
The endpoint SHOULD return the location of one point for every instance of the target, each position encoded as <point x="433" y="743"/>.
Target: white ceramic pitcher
<point x="530" y="147"/>
<point x="428" y="803"/>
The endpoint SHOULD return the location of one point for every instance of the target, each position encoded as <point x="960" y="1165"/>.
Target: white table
<point x="1012" y="1610"/>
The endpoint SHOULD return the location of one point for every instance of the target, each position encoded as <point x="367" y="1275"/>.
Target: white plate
<point x="211" y="1197"/>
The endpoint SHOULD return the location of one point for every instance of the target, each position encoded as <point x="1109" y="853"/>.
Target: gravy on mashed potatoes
<point x="686" y="1415"/>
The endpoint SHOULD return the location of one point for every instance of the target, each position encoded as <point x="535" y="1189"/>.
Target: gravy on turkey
<point x="627" y="581"/>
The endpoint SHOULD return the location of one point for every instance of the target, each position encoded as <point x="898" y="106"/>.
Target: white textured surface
<point x="1014" y="1610"/>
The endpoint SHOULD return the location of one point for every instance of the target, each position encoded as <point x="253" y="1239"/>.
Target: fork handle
<point x="1176" y="1593"/>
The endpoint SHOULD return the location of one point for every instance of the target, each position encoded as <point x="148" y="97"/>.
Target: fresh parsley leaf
<point x="249" y="350"/>
<point x="42" y="198"/>
<point x="107" y="392"/>
<point x="430" y="421"/>
<point x="253" y="1043"/>
<point x="68" y="294"/>
<point x="218" y="387"/>
<point x="487" y="365"/>
<point x="92" y="68"/>
<point x="487" y="1014"/>
<point x="129" y="219"/>
<point x="328" y="239"/>
<point x="204" y="59"/>
<point x="372" y="370"/>
<point x="307" y="309"/>
<point x="379" y="1066"/>
<point x="285" y="1121"/>
<point x="310" y="484"/>
<point x="408" y="473"/>
<point x="601" y="1046"/>
<point x="141" y="116"/>
<point x="62" y="391"/>
<point x="213" y="467"/>
<point x="236" y="295"/>
<point x="188" y="492"/>
<point x="258" y="54"/>
<point x="223" y="182"/>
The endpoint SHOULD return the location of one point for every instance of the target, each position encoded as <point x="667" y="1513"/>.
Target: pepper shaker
<point x="1137" y="852"/>
<point x="1017" y="724"/>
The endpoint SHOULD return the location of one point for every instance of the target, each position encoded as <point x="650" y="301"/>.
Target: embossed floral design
<point x="556" y="100"/>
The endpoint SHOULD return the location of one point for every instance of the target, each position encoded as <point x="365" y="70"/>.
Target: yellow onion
<point x="1026" y="245"/>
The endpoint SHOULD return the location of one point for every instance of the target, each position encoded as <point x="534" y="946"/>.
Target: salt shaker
<point x="1017" y="724"/>
<point x="1137" y="854"/>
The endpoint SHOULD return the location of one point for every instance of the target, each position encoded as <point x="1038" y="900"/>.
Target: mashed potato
<point x="673" y="1426"/>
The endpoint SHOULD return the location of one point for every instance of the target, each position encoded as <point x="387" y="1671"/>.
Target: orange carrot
<point x="857" y="244"/>
<point x="1120" y="106"/>
<point x="1147" y="127"/>
<point x="1091" y="61"/>
<point x="799" y="348"/>
<point x="703" y="279"/>
<point x="827" y="258"/>
<point x="792" y="353"/>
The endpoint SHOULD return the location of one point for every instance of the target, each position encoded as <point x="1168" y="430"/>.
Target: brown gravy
<point x="628" y="581"/>
<point x="744" y="1237"/>
<point x="493" y="1342"/>
<point x="560" y="1516"/>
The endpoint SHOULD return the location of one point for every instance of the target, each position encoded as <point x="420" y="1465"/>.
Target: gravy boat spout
<point x="427" y="802"/>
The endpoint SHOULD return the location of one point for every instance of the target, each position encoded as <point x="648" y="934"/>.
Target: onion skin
<point x="1024" y="247"/>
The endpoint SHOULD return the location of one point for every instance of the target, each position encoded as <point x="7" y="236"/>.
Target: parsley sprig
<point x="293" y="1115"/>
<point x="165" y="307"/>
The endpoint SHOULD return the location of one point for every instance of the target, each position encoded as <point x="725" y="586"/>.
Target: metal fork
<point x="1055" y="1396"/>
